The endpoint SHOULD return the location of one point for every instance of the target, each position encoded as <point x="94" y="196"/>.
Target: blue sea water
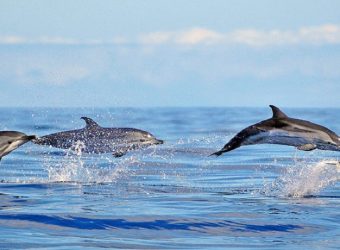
<point x="170" y="196"/>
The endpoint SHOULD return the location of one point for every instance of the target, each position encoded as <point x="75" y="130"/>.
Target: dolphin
<point x="11" y="140"/>
<point x="281" y="129"/>
<point x="95" y="139"/>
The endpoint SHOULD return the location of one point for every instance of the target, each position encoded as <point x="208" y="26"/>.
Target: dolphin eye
<point x="142" y="140"/>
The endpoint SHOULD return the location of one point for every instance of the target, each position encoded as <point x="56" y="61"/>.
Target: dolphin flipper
<point x="307" y="147"/>
<point x="118" y="154"/>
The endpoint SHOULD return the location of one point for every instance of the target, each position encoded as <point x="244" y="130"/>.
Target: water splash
<point x="75" y="167"/>
<point x="305" y="179"/>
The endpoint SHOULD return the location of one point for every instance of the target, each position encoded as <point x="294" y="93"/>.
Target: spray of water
<point x="305" y="179"/>
<point x="75" y="167"/>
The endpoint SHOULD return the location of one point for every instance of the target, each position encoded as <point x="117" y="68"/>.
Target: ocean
<point x="170" y="196"/>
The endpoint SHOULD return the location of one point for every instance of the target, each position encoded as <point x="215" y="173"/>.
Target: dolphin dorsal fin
<point x="277" y="113"/>
<point x="89" y="122"/>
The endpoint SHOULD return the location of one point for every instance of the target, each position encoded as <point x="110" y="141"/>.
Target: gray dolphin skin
<point x="11" y="140"/>
<point x="281" y="129"/>
<point x="96" y="139"/>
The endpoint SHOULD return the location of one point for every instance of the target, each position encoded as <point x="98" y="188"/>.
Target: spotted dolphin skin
<point x="95" y="139"/>
<point x="11" y="140"/>
<point x="281" y="129"/>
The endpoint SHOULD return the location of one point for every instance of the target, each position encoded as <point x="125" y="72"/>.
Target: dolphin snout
<point x="31" y="137"/>
<point x="159" y="141"/>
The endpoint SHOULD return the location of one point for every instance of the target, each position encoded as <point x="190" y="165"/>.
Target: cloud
<point x="255" y="38"/>
<point x="190" y="37"/>
<point x="46" y="40"/>
<point x="12" y="40"/>
<point x="156" y="38"/>
<point x="316" y="35"/>
<point x="312" y="35"/>
<point x="321" y="34"/>
<point x="198" y="36"/>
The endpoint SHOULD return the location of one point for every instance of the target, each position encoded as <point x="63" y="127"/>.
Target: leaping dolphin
<point x="281" y="129"/>
<point x="96" y="139"/>
<point x="11" y="140"/>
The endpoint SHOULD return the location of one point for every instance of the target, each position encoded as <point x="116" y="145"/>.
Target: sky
<point x="158" y="53"/>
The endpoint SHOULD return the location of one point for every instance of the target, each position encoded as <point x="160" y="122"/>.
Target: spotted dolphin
<point x="281" y="129"/>
<point x="96" y="139"/>
<point x="11" y="140"/>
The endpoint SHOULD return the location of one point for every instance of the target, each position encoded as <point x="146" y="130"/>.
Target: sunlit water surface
<point x="170" y="196"/>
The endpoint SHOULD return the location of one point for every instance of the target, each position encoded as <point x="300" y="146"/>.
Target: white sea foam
<point x="305" y="179"/>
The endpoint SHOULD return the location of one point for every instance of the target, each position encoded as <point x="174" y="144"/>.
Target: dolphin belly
<point x="103" y="146"/>
<point x="277" y="137"/>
